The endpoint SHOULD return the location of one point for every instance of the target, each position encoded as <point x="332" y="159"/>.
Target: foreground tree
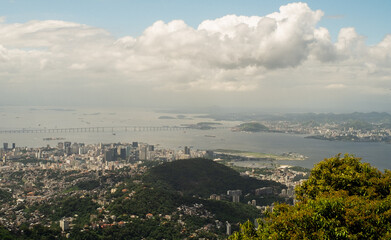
<point x="342" y="199"/>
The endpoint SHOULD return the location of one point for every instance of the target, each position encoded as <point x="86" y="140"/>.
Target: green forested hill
<point x="203" y="177"/>
<point x="252" y="127"/>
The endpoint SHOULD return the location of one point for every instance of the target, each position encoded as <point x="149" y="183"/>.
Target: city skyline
<point x="267" y="55"/>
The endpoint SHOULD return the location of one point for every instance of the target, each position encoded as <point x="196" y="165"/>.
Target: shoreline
<point x="291" y="156"/>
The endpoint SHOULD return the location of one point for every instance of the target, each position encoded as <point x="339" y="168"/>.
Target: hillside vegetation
<point x="203" y="177"/>
<point x="342" y="199"/>
<point x="169" y="201"/>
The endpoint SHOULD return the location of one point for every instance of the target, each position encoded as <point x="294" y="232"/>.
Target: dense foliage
<point x="147" y="200"/>
<point x="138" y="229"/>
<point x="69" y="207"/>
<point x="348" y="174"/>
<point x="203" y="177"/>
<point x="5" y="196"/>
<point x="342" y="199"/>
<point x="6" y="235"/>
<point x="88" y="185"/>
<point x="37" y="232"/>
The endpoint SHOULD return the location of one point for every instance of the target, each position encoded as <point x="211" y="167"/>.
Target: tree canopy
<point x="342" y="199"/>
<point x="203" y="177"/>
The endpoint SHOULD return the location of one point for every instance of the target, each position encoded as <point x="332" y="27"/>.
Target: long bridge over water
<point x="100" y="129"/>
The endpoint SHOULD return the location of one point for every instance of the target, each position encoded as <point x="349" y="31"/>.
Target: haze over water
<point x="376" y="154"/>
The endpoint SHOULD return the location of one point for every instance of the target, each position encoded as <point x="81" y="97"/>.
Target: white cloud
<point x="350" y="44"/>
<point x="48" y="34"/>
<point x="381" y="53"/>
<point x="336" y="86"/>
<point x="258" y="54"/>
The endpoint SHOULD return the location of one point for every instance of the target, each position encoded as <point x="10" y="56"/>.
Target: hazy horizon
<point x="185" y="109"/>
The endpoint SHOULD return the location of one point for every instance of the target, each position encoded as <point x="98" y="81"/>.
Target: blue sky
<point x="130" y="17"/>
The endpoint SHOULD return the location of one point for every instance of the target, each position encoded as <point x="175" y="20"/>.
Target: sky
<point x="271" y="55"/>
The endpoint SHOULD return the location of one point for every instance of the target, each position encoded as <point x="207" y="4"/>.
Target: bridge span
<point x="99" y="129"/>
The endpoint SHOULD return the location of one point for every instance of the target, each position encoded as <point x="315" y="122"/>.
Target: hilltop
<point x="203" y="177"/>
<point x="251" y="127"/>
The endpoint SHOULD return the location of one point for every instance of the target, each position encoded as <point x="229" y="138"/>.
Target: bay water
<point x="115" y="119"/>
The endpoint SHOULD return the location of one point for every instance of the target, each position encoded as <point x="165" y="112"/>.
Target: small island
<point x="250" y="127"/>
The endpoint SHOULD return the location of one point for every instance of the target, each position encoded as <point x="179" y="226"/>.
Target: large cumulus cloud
<point x="231" y="53"/>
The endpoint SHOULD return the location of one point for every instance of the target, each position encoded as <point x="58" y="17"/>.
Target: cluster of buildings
<point x="232" y="195"/>
<point x="283" y="174"/>
<point x="79" y="156"/>
<point x="332" y="131"/>
<point x="38" y="175"/>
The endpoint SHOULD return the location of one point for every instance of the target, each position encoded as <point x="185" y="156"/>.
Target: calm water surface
<point x="378" y="154"/>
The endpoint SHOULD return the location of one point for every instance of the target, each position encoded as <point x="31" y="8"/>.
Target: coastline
<point x="291" y="156"/>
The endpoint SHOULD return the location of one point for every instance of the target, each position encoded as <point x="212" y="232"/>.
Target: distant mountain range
<point x="372" y="117"/>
